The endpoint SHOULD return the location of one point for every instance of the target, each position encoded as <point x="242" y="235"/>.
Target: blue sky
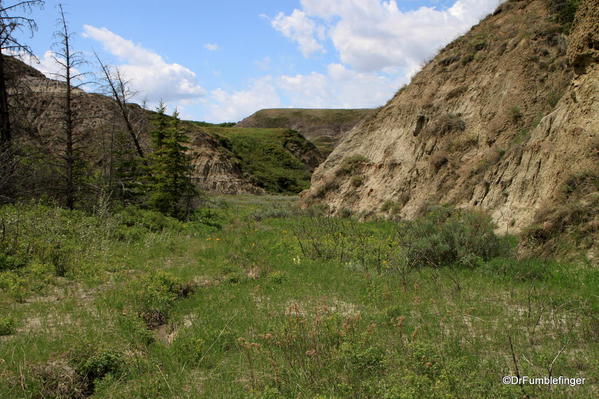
<point x="223" y="60"/>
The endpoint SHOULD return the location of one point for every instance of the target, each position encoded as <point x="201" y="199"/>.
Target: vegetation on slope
<point x="255" y="299"/>
<point x="271" y="158"/>
<point x="323" y="127"/>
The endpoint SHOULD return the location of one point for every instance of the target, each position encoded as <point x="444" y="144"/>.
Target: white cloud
<point x="46" y="64"/>
<point x="148" y="73"/>
<point x="371" y="35"/>
<point x="211" y="46"/>
<point x="230" y="107"/>
<point x="301" y="29"/>
<point x="338" y="87"/>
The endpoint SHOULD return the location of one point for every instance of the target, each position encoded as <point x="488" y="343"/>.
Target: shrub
<point x="8" y="262"/>
<point x="150" y="220"/>
<point x="447" y="236"/>
<point x="392" y="207"/>
<point x="351" y="164"/>
<point x="356" y="181"/>
<point x="515" y="113"/>
<point x="7" y="325"/>
<point x="467" y="59"/>
<point x="155" y="296"/>
<point x="563" y="11"/>
<point x="438" y="159"/>
<point x="99" y="365"/>
<point x="445" y="124"/>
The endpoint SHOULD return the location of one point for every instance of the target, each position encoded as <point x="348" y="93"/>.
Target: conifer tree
<point x="169" y="189"/>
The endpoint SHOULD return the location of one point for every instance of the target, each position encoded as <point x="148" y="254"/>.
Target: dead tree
<point x="68" y="60"/>
<point x="119" y="91"/>
<point x="10" y="23"/>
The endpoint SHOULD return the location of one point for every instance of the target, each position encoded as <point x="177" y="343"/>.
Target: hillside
<point x="505" y="119"/>
<point x="219" y="165"/>
<point x="274" y="160"/>
<point x="323" y="127"/>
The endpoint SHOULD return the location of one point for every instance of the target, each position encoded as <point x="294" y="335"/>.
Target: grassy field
<point x="257" y="299"/>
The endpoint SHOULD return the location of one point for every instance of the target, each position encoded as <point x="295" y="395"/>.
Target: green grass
<point x="283" y="303"/>
<point x="321" y="126"/>
<point x="271" y="157"/>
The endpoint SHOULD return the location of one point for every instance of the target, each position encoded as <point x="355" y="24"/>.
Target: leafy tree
<point x="169" y="189"/>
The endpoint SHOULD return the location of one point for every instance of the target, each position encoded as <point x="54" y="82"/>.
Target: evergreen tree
<point x="169" y="188"/>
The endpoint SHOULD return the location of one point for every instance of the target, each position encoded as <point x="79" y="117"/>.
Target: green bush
<point x="101" y="364"/>
<point x="150" y="220"/>
<point x="564" y="11"/>
<point x="8" y="262"/>
<point x="447" y="236"/>
<point x="7" y="325"/>
<point x="155" y="296"/>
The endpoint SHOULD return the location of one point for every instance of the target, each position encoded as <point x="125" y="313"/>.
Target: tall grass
<point x="278" y="304"/>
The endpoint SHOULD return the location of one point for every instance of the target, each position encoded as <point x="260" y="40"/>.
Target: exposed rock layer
<point x="503" y="119"/>
<point x="38" y="104"/>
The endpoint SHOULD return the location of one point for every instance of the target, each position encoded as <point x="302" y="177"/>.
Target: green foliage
<point x="169" y="187"/>
<point x="8" y="262"/>
<point x="447" y="236"/>
<point x="294" y="306"/>
<point x="270" y="157"/>
<point x="7" y="325"/>
<point x="147" y="219"/>
<point x="155" y="295"/>
<point x="93" y="366"/>
<point x="564" y="11"/>
<point x="529" y="269"/>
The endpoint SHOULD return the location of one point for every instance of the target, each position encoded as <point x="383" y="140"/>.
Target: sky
<point x="220" y="61"/>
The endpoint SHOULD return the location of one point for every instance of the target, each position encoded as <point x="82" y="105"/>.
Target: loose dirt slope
<point x="505" y="118"/>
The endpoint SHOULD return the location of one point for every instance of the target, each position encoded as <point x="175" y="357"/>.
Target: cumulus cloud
<point x="371" y="35"/>
<point x="338" y="87"/>
<point x="226" y="106"/>
<point x="46" y="64"/>
<point x="148" y="73"/>
<point x="211" y="46"/>
<point x="301" y="29"/>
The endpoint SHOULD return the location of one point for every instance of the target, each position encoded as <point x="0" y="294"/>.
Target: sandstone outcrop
<point x="505" y="118"/>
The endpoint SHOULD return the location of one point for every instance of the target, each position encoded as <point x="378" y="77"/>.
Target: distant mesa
<point x="324" y="127"/>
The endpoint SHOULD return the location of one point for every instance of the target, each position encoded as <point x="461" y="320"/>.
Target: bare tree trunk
<point x="119" y="92"/>
<point x="5" y="132"/>
<point x="68" y="115"/>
